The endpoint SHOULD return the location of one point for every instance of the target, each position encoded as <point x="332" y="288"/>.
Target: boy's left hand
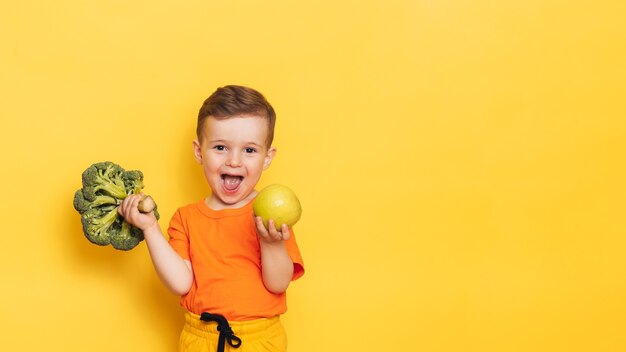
<point x="271" y="234"/>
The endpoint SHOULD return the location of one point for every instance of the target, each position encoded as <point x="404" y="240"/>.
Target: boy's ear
<point x="197" y="151"/>
<point x="271" y="153"/>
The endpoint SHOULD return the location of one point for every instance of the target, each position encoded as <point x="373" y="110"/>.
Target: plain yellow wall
<point x="460" y="165"/>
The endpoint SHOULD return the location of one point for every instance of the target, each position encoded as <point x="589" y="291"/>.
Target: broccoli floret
<point x="104" y="177"/>
<point x="96" y="223"/>
<point x="133" y="181"/>
<point x="81" y="204"/>
<point x="125" y="236"/>
<point x="105" y="185"/>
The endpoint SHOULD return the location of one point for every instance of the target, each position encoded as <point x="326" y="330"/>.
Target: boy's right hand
<point x="129" y="210"/>
<point x="271" y="234"/>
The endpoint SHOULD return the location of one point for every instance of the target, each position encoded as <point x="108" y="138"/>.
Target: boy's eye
<point x="219" y="147"/>
<point x="250" y="150"/>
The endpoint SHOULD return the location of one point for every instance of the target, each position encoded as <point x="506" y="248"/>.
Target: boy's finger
<point x="260" y="227"/>
<point x="285" y="232"/>
<point x="272" y="228"/>
<point x="126" y="203"/>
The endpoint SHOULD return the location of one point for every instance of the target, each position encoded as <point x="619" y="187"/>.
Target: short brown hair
<point x="232" y="100"/>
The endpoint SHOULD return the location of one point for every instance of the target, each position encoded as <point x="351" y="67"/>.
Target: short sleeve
<point x="296" y="257"/>
<point x="179" y="239"/>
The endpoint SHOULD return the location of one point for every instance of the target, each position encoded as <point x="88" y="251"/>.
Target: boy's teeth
<point x="231" y="182"/>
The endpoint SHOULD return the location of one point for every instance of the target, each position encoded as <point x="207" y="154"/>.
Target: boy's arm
<point x="175" y="272"/>
<point x="276" y="265"/>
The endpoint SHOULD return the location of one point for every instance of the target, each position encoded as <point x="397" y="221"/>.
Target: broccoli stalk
<point x="146" y="204"/>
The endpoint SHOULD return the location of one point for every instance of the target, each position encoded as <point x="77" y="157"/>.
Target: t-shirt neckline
<point x="204" y="209"/>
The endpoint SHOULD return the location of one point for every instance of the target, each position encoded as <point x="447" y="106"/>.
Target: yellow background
<point x="460" y="165"/>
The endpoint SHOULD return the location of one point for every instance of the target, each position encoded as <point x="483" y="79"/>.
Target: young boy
<point x="231" y="271"/>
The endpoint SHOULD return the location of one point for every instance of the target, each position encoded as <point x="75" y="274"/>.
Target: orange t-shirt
<point x="225" y="255"/>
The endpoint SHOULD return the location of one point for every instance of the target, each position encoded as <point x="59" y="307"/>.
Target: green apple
<point x="278" y="203"/>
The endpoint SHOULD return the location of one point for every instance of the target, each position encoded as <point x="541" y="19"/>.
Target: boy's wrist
<point x="152" y="229"/>
<point x="273" y="246"/>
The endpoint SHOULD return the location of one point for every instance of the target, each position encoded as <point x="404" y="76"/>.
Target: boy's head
<point x="232" y="101"/>
<point x="234" y="146"/>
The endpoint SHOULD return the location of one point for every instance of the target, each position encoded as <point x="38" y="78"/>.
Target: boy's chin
<point x="226" y="200"/>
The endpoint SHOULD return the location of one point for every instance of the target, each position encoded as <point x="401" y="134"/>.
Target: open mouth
<point x="231" y="182"/>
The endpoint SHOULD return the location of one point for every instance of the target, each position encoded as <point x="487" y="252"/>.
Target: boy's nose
<point x="233" y="160"/>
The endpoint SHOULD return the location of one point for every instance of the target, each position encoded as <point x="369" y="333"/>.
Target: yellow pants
<point x="260" y="335"/>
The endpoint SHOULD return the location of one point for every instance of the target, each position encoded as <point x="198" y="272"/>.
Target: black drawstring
<point x="226" y="334"/>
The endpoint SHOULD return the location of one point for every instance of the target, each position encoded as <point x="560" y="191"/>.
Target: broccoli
<point x="81" y="204"/>
<point x="96" y="223"/>
<point x="104" y="177"/>
<point x="124" y="235"/>
<point x="105" y="185"/>
<point x="133" y="181"/>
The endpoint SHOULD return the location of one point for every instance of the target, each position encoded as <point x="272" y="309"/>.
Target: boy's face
<point x="233" y="154"/>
